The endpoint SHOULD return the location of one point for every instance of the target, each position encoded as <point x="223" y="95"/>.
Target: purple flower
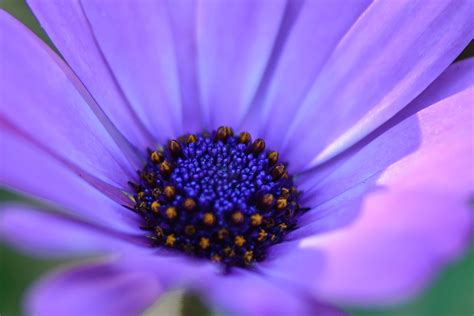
<point x="372" y="125"/>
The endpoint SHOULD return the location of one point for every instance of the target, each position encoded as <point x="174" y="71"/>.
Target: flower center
<point x="217" y="196"/>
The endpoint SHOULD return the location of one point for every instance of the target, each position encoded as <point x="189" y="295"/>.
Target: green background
<point x="451" y="294"/>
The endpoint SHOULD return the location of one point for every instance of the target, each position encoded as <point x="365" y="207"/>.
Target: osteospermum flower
<point x="273" y="156"/>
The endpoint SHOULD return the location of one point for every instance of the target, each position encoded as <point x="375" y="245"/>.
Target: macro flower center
<point x="218" y="196"/>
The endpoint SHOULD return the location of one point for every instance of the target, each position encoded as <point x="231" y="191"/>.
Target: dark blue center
<point x="217" y="196"/>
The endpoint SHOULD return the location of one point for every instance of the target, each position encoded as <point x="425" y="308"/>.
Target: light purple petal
<point x="247" y="293"/>
<point x="385" y="60"/>
<point x="54" y="235"/>
<point x="95" y="289"/>
<point x="235" y="41"/>
<point x="386" y="254"/>
<point x="173" y="269"/>
<point x="68" y="28"/>
<point x="318" y="28"/>
<point x="183" y="18"/>
<point x="389" y="230"/>
<point x="42" y="102"/>
<point x="458" y="77"/>
<point x="238" y="292"/>
<point x="30" y="171"/>
<point x="142" y="58"/>
<point x="390" y="143"/>
<point x="51" y="235"/>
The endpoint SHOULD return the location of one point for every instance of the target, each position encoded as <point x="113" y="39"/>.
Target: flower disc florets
<point x="217" y="196"/>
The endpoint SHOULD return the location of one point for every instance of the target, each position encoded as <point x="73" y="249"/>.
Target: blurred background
<point x="450" y="294"/>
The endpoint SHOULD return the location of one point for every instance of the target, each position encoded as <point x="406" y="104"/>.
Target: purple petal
<point x="391" y="142"/>
<point x="182" y="16"/>
<point x="385" y="232"/>
<point x="318" y="28"/>
<point x="29" y="171"/>
<point x="68" y="28"/>
<point x="458" y="77"/>
<point x="42" y="102"/>
<point x="376" y="70"/>
<point x="247" y="293"/>
<point x="235" y="42"/>
<point x="142" y="58"/>
<point x="388" y="253"/>
<point x="95" y="289"/>
<point x="174" y="270"/>
<point x="52" y="235"/>
<point x="240" y="292"/>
